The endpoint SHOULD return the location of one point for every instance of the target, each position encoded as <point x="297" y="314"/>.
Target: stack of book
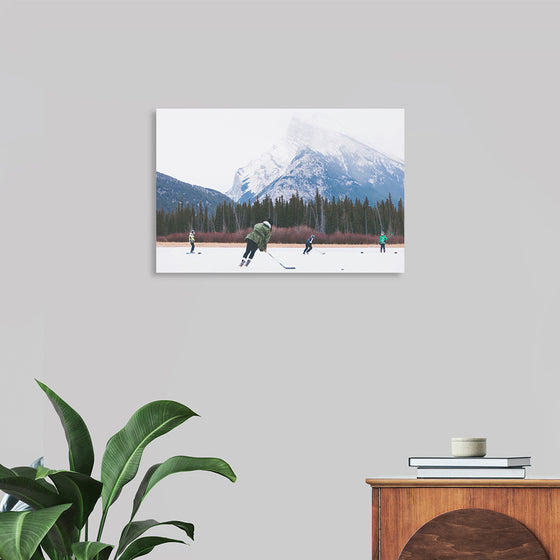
<point x="470" y="467"/>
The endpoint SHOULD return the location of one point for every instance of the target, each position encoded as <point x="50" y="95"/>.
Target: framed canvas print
<point x="280" y="191"/>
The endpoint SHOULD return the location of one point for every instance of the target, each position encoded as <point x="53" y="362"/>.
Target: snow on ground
<point x="321" y="259"/>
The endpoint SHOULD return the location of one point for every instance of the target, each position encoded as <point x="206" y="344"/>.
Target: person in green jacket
<point x="257" y="239"/>
<point x="191" y="240"/>
<point x="382" y="241"/>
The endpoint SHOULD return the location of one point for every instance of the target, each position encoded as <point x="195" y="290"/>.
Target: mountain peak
<point x="312" y="157"/>
<point x="302" y="131"/>
<point x="304" y="134"/>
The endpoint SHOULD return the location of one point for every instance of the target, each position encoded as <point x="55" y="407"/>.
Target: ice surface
<point x="335" y="259"/>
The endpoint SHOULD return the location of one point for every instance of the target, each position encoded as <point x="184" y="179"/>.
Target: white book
<point x="493" y="472"/>
<point x="469" y="462"/>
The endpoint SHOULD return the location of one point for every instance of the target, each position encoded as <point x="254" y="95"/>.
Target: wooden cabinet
<point x="436" y="519"/>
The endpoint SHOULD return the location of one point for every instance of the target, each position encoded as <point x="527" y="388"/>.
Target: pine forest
<point x="334" y="220"/>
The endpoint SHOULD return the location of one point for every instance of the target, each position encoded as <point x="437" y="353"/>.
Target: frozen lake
<point x="321" y="259"/>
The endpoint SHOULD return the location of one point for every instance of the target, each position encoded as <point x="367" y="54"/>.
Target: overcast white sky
<point x="207" y="146"/>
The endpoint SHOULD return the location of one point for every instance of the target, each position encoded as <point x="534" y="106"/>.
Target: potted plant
<point x="62" y="501"/>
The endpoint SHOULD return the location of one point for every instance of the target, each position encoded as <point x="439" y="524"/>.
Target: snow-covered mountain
<point x="311" y="157"/>
<point x="171" y="191"/>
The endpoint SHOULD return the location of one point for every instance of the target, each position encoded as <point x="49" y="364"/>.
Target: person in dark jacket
<point x="308" y="245"/>
<point x="257" y="239"/>
<point x="191" y="240"/>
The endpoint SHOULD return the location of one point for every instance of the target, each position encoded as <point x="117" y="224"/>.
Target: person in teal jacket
<point x="257" y="239"/>
<point x="382" y="241"/>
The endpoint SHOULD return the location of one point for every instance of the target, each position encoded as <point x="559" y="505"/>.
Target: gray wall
<point x="306" y="385"/>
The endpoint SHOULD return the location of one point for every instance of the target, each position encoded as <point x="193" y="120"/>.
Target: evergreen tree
<point x="320" y="214"/>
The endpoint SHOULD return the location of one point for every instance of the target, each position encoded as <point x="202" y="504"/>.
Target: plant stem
<point x="101" y="525"/>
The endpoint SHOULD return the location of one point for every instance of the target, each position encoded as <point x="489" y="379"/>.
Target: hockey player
<point x="308" y="245"/>
<point x="257" y="239"/>
<point x="382" y="241"/>
<point x="191" y="240"/>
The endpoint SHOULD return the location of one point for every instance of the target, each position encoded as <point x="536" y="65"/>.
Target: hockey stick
<point x="282" y="265"/>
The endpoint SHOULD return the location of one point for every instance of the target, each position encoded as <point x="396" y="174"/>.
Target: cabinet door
<point x="403" y="511"/>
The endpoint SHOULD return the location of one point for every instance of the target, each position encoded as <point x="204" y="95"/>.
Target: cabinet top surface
<point x="463" y="482"/>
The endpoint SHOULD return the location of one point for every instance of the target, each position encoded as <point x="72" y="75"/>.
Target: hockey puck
<point x="362" y="252"/>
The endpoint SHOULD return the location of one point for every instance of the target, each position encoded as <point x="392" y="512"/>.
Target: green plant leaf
<point x="48" y="547"/>
<point x="38" y="555"/>
<point x="31" y="473"/>
<point x="132" y="531"/>
<point x="5" y="472"/>
<point x="27" y="472"/>
<point x="175" y="465"/>
<point x="11" y="503"/>
<point x="89" y="550"/>
<point x="124" y="450"/>
<point x="35" y="494"/>
<point x="79" y="489"/>
<point x="80" y="448"/>
<point x="30" y="491"/>
<point x="143" y="546"/>
<point x="22" y="532"/>
<point x="8" y="502"/>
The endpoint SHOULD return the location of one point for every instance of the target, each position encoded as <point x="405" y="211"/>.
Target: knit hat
<point x="267" y="224"/>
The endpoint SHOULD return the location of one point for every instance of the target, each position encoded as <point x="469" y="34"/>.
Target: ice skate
<point x="248" y="261"/>
<point x="242" y="263"/>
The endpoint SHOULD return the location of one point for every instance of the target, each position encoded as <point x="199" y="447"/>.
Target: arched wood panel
<point x="473" y="534"/>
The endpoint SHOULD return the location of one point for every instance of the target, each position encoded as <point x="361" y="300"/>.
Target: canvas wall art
<point x="280" y="191"/>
